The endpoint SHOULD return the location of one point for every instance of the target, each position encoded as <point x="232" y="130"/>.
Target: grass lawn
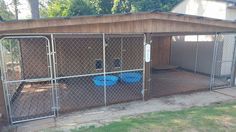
<point x="214" y="118"/>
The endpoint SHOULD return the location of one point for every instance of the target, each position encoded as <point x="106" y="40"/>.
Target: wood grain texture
<point x="161" y="49"/>
<point x="121" y="23"/>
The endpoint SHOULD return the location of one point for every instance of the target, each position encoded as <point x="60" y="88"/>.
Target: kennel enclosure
<point x="57" y="66"/>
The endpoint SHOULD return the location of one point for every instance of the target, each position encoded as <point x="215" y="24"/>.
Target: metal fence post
<point x="196" y="56"/>
<point x="212" y="80"/>
<point x="232" y="80"/>
<point x="5" y="90"/>
<point x="104" y="68"/>
<point x="56" y="98"/>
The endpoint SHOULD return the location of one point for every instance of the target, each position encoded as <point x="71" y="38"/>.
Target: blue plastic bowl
<point x="131" y="77"/>
<point x="109" y="80"/>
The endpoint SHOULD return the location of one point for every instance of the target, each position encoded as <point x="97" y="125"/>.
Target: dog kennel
<point x="56" y="66"/>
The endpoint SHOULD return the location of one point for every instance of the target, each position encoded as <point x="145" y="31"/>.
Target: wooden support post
<point x="3" y="112"/>
<point x="147" y="72"/>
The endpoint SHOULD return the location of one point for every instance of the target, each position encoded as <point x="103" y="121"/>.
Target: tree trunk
<point x="34" y="7"/>
<point x="16" y="8"/>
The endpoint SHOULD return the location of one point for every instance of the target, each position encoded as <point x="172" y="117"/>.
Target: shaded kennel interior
<point x="183" y="64"/>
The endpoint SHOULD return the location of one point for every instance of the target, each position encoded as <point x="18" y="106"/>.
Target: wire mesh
<point x="181" y="64"/>
<point x="30" y="100"/>
<point x="27" y="77"/>
<point x="79" y="93"/>
<point x="223" y="61"/>
<point x="85" y="63"/>
<point x="76" y="55"/>
<point x="25" y="58"/>
<point x="89" y="70"/>
<point x="76" y="58"/>
<point x="124" y="60"/>
<point x="128" y="87"/>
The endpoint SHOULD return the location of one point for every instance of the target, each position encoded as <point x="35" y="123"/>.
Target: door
<point x="27" y="77"/>
<point x="223" y="65"/>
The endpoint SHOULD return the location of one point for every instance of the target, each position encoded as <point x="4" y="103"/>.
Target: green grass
<point x="214" y="118"/>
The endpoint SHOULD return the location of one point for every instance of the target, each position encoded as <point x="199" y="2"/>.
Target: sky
<point x="24" y="8"/>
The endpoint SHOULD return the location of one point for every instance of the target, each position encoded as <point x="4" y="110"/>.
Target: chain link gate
<point x="69" y="73"/>
<point x="223" y="66"/>
<point x="97" y="69"/>
<point x="27" y="77"/>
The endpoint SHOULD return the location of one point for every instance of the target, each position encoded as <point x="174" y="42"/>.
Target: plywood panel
<point x="161" y="49"/>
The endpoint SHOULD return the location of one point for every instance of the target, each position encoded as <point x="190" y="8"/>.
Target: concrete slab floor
<point x="104" y="115"/>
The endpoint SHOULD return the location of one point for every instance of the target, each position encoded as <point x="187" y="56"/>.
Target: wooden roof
<point x="151" y="22"/>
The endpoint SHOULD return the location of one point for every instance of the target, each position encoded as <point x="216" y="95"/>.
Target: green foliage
<point x="64" y="8"/>
<point x="4" y="12"/>
<point x="57" y="8"/>
<point x="102" y="6"/>
<point x="159" y="5"/>
<point x="121" y="6"/>
<point x="125" y="6"/>
<point x="81" y="7"/>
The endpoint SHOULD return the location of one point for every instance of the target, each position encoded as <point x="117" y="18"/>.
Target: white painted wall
<point x="206" y="8"/>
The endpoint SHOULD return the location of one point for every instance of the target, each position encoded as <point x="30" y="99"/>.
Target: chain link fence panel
<point x="27" y="77"/>
<point x="223" y="61"/>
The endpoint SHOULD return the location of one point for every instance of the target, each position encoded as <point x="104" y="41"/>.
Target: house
<point x="218" y="9"/>
<point x="60" y="65"/>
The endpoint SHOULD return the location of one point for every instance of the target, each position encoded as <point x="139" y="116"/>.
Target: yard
<point x="216" y="117"/>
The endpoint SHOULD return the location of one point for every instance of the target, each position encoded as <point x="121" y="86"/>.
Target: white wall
<point x="207" y="8"/>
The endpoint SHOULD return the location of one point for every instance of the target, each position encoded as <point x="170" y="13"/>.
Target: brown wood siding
<point x="142" y="26"/>
<point x="77" y="56"/>
<point x="34" y="58"/>
<point x="137" y="22"/>
<point x="161" y="49"/>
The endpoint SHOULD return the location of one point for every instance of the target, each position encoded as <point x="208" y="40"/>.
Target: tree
<point x="81" y="7"/>
<point x="102" y="6"/>
<point x="121" y="6"/>
<point x="15" y="2"/>
<point x="56" y="8"/>
<point x="5" y="13"/>
<point x="150" y="5"/>
<point x="34" y="7"/>
<point x="64" y="8"/>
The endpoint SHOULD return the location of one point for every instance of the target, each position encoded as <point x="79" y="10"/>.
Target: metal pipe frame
<point x="49" y="56"/>
<point x="144" y="71"/>
<point x="52" y="65"/>
<point x="196" y="55"/>
<point x="212" y="80"/>
<point x="5" y="91"/>
<point x="232" y="80"/>
<point x="56" y="106"/>
<point x="104" y="68"/>
<point x="5" y="81"/>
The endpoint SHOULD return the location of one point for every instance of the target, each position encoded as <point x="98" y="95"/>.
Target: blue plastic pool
<point x="109" y="80"/>
<point x="131" y="77"/>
